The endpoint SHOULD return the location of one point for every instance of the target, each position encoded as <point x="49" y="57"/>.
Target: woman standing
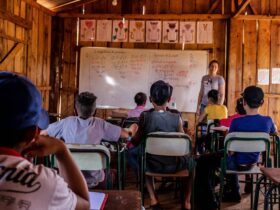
<point x="209" y="82"/>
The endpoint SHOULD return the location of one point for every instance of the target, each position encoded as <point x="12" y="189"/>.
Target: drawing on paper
<point x="87" y="30"/>
<point x="136" y="31"/>
<point x="187" y="32"/>
<point x="153" y="31"/>
<point x="263" y="76"/>
<point x="120" y="31"/>
<point x="204" y="32"/>
<point x="170" y="31"/>
<point x="104" y="30"/>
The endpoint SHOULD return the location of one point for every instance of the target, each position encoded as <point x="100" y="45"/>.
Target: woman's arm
<point x="221" y="94"/>
<point x="199" y="98"/>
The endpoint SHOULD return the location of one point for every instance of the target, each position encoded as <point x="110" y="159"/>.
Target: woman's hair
<point x="214" y="95"/>
<point x="239" y="107"/>
<point x="213" y="61"/>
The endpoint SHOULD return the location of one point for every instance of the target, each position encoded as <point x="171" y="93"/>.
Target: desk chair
<point x="244" y="142"/>
<point x="129" y="121"/>
<point x="92" y="157"/>
<point x="166" y="144"/>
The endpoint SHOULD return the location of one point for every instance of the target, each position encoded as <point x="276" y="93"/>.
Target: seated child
<point x="140" y="100"/>
<point x="25" y="185"/>
<point x="213" y="110"/>
<point x="86" y="129"/>
<point x="159" y="119"/>
<point x="240" y="112"/>
<point x="252" y="122"/>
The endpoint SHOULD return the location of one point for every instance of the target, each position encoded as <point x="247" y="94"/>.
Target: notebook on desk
<point x="97" y="200"/>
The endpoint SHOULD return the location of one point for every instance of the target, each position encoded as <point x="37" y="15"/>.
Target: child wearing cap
<point x="86" y="129"/>
<point x="253" y="98"/>
<point x="24" y="185"/>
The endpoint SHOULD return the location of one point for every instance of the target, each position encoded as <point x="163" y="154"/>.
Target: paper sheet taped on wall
<point x="263" y="77"/>
<point x="275" y="76"/>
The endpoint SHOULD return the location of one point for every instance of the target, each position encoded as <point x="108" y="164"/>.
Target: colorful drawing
<point x="136" y="31"/>
<point x="204" y="32"/>
<point x="104" y="30"/>
<point x="187" y="32"/>
<point x="170" y="31"/>
<point x="153" y="31"/>
<point x="120" y="31"/>
<point x="87" y="30"/>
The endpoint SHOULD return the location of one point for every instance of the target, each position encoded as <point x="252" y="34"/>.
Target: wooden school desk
<point x="122" y="199"/>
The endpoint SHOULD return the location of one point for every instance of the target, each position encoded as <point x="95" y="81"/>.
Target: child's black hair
<point x="239" y="106"/>
<point x="160" y="92"/>
<point x="214" y="95"/>
<point x="85" y="104"/>
<point x="253" y="96"/>
<point x="140" y="98"/>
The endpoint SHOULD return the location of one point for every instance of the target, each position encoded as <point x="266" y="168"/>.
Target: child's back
<point x="216" y="111"/>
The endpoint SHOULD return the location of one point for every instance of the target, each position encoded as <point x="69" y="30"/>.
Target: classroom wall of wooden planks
<point x="44" y="46"/>
<point x="25" y="42"/>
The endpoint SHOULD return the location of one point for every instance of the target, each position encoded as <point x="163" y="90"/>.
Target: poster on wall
<point x="153" y="31"/>
<point x="87" y="30"/>
<point x="170" y="31"/>
<point x="120" y="31"/>
<point x="187" y="32"/>
<point x="136" y="31"/>
<point x="104" y="31"/>
<point x="204" y="32"/>
<point x="263" y="76"/>
<point x="275" y="77"/>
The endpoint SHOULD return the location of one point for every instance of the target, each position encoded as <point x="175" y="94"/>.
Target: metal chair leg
<point x="257" y="192"/>
<point x="268" y="195"/>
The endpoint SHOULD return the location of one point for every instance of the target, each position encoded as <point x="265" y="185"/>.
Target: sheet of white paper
<point x="96" y="200"/>
<point x="275" y="76"/>
<point x="263" y="76"/>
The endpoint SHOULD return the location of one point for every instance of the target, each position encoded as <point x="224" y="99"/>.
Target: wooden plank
<point x="15" y="19"/>
<point x="202" y="6"/>
<point x="1" y="39"/>
<point x="149" y="16"/>
<point x="263" y="55"/>
<point x="164" y="6"/>
<point x="273" y="7"/>
<point x="189" y="6"/>
<point x="10" y="56"/>
<point x="235" y="63"/>
<point x="152" y="7"/>
<point x="275" y="52"/>
<point x="242" y="7"/>
<point x="176" y="6"/>
<point x="71" y="5"/>
<point x="219" y="45"/>
<point x="42" y="47"/>
<point x="214" y="6"/>
<point x="258" y="17"/>
<point x="264" y="7"/>
<point x="250" y="53"/>
<point x="274" y="102"/>
<point x="34" y="4"/>
<point x="256" y="6"/>
<point x="278" y="8"/>
<point x="33" y="47"/>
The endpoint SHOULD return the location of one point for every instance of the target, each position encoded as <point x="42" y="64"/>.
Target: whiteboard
<point x="115" y="75"/>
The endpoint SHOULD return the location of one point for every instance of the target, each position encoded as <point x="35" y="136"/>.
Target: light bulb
<point x="115" y="2"/>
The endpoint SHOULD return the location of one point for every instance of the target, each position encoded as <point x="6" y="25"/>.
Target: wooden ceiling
<point x="63" y="5"/>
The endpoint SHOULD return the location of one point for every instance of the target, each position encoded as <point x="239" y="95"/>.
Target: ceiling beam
<point x="71" y="5"/>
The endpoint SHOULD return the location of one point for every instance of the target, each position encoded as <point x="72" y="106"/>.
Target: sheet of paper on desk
<point x="97" y="200"/>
